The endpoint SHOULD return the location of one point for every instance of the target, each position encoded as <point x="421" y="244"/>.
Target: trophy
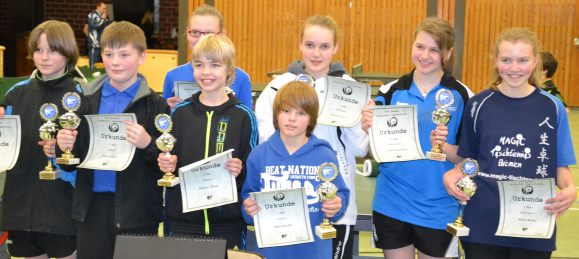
<point x="166" y="143"/>
<point x="440" y="116"/>
<point x="327" y="172"/>
<point x="70" y="121"/>
<point x="469" y="168"/>
<point x="305" y="78"/>
<point x="48" y="112"/>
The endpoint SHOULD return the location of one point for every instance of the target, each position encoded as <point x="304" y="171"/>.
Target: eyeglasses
<point x="197" y="34"/>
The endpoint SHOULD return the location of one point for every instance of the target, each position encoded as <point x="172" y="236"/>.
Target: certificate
<point x="184" y="90"/>
<point x="207" y="184"/>
<point x="109" y="148"/>
<point x="522" y="211"/>
<point x="341" y="102"/>
<point x="283" y="218"/>
<point x="394" y="134"/>
<point x="10" y="137"/>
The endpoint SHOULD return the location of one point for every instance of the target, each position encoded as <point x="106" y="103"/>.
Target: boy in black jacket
<point x="107" y="203"/>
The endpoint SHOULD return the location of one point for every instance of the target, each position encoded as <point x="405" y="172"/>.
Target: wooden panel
<point x="573" y="91"/>
<point x="156" y="66"/>
<point x="376" y="33"/>
<point x="2" y="48"/>
<point x="551" y="20"/>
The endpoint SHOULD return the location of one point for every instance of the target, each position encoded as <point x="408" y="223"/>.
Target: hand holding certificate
<point x="207" y="183"/>
<point x="341" y="102"/>
<point x="283" y="218"/>
<point x="394" y="134"/>
<point x="184" y="90"/>
<point x="10" y="137"/>
<point x="109" y="148"/>
<point x="523" y="211"/>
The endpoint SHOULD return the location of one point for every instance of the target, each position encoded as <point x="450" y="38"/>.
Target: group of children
<point x="413" y="201"/>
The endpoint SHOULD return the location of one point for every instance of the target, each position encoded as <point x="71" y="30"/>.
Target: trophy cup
<point x="469" y="168"/>
<point x="48" y="112"/>
<point x="327" y="172"/>
<point x="70" y="121"/>
<point x="166" y="143"/>
<point x="440" y="116"/>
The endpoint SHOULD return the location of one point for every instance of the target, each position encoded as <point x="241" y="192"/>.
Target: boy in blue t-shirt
<point x="295" y="112"/>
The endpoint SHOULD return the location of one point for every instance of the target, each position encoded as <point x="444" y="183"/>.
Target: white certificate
<point x="523" y="211"/>
<point x="394" y="134"/>
<point x="207" y="184"/>
<point x="10" y="137"/>
<point x="109" y="148"/>
<point x="184" y="90"/>
<point x="341" y="102"/>
<point x="283" y="218"/>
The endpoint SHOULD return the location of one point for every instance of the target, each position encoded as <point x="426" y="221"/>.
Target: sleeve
<point x="264" y="112"/>
<point x="242" y="87"/>
<point x="343" y="192"/>
<point x="468" y="140"/>
<point x="565" y="151"/>
<point x="252" y="183"/>
<point x="168" y="85"/>
<point x="249" y="138"/>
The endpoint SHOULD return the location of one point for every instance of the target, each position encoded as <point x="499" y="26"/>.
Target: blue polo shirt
<point x="112" y="101"/>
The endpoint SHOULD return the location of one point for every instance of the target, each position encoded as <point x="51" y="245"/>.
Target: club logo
<point x="527" y="190"/>
<point x="114" y="127"/>
<point x="347" y="90"/>
<point x="279" y="196"/>
<point x="392" y="122"/>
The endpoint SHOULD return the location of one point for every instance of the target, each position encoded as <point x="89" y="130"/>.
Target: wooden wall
<point x="485" y="19"/>
<point x="379" y="33"/>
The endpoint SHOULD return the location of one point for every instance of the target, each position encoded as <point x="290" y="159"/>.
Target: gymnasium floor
<point x="567" y="225"/>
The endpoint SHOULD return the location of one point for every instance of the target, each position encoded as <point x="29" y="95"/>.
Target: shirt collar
<point x="109" y="90"/>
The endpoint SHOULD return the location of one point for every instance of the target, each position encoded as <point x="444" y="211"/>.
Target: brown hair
<point x="443" y="34"/>
<point x="120" y="34"/>
<point x="514" y="35"/>
<point x="60" y="37"/>
<point x="549" y="63"/>
<point x="297" y="94"/>
<point x="99" y="3"/>
<point x="218" y="48"/>
<point x="207" y="10"/>
<point x="323" y="21"/>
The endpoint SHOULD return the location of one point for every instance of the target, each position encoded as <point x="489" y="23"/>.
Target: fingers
<point x="48" y="147"/>
<point x="173" y="101"/>
<point x="331" y="208"/>
<point x="167" y="163"/>
<point x="137" y="135"/>
<point x="450" y="179"/>
<point x="251" y="207"/>
<point x="66" y="138"/>
<point x="367" y="114"/>
<point x="234" y="166"/>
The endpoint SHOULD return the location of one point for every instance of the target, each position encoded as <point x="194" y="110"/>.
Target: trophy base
<point x="49" y="175"/>
<point x="324" y="232"/>
<point x="459" y="231"/>
<point x="67" y="161"/>
<point x="436" y="156"/>
<point x="168" y="182"/>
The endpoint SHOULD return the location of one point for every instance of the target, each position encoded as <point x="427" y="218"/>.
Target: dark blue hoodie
<point x="271" y="167"/>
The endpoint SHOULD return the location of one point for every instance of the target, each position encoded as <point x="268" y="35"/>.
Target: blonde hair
<point x="120" y="34"/>
<point x="217" y="48"/>
<point x="297" y="94"/>
<point x="60" y="38"/>
<point x="323" y="21"/>
<point x="515" y="35"/>
<point x="443" y="34"/>
<point x="207" y="10"/>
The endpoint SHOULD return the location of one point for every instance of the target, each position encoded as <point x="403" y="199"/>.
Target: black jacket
<point x="138" y="199"/>
<point x="30" y="204"/>
<point x="231" y="125"/>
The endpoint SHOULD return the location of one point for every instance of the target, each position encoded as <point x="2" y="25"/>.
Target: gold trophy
<point x="327" y="172"/>
<point x="70" y="121"/>
<point x="440" y="116"/>
<point x="48" y="112"/>
<point x="166" y="143"/>
<point x="469" y="168"/>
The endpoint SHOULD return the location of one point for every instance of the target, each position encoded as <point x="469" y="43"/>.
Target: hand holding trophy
<point x="47" y="131"/>
<point x="469" y="168"/>
<point x="327" y="191"/>
<point x="440" y="116"/>
<point x="70" y="121"/>
<point x="165" y="143"/>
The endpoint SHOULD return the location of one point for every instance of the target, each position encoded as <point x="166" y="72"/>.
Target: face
<point x="317" y="49"/>
<point x="200" y="25"/>
<point x="293" y="122"/>
<point x="102" y="8"/>
<point x="515" y="63"/>
<point x="426" y="55"/>
<point x="50" y="63"/>
<point x="122" y="65"/>
<point x="211" y="75"/>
